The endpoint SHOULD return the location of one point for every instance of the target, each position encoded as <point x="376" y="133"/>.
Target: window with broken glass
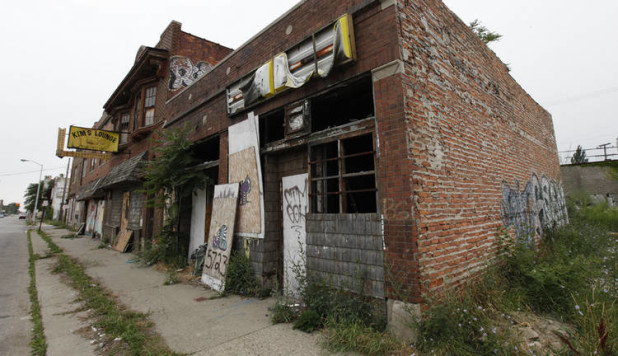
<point x="343" y="177"/>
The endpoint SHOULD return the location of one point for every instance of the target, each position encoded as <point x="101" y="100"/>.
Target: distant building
<point x="58" y="195"/>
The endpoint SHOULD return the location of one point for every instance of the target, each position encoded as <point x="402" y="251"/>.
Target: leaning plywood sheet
<point x="245" y="172"/>
<point x="123" y="240"/>
<point x="244" y="168"/>
<point x="220" y="235"/>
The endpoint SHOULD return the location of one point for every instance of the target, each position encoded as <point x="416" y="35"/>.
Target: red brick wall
<point x="401" y="260"/>
<point x="199" y="49"/>
<point x="469" y="128"/>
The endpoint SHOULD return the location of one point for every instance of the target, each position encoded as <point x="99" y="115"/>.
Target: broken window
<point x="349" y="101"/>
<point x="343" y="178"/>
<point x="207" y="150"/>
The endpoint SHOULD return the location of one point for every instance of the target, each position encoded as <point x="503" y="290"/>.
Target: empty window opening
<point x="343" y="176"/>
<point x="207" y="150"/>
<point x="350" y="101"/>
<point x="271" y="126"/>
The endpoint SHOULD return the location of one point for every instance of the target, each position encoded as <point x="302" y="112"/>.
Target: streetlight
<point x="38" y="189"/>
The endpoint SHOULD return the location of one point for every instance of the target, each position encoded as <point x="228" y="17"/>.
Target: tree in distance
<point x="579" y="156"/>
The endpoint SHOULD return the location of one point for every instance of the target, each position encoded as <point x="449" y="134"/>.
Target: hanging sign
<point x="92" y="139"/>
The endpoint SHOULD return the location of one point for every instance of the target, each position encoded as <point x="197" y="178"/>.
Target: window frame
<point x="319" y="201"/>
<point x="144" y="105"/>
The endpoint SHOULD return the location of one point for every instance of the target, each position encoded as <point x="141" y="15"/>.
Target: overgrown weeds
<point x="165" y="248"/>
<point x="133" y="328"/>
<point x="240" y="278"/>
<point x="54" y="249"/>
<point x="570" y="275"/>
<point x="353" y="321"/>
<point x="355" y="336"/>
<point x="60" y="225"/>
<point x="38" y="342"/>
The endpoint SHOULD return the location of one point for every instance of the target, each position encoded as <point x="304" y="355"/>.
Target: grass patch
<point x="54" y="249"/>
<point x="355" y="336"/>
<point x="60" y="225"/>
<point x="38" y="342"/>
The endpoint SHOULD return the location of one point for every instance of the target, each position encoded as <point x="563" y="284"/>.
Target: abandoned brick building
<point x="383" y="136"/>
<point x="105" y="194"/>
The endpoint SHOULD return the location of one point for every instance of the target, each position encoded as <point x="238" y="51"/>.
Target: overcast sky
<point x="63" y="59"/>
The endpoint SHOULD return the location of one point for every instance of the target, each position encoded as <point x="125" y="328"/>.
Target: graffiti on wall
<point x="183" y="73"/>
<point x="220" y="233"/>
<point x="295" y="206"/>
<point x="539" y="205"/>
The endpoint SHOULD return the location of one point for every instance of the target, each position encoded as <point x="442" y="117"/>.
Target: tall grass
<point x="572" y="275"/>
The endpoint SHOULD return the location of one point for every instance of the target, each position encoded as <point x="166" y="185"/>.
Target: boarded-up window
<point x="135" y="211"/>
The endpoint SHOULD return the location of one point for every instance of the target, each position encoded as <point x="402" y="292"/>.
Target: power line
<point x="29" y="172"/>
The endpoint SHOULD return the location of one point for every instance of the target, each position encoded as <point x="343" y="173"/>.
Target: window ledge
<point x="143" y="131"/>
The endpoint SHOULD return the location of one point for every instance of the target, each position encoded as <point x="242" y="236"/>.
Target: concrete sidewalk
<point x="223" y="326"/>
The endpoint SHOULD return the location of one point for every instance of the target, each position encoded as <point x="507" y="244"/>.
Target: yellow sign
<point x="91" y="139"/>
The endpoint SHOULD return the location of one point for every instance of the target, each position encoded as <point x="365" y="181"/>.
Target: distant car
<point x="22" y="216"/>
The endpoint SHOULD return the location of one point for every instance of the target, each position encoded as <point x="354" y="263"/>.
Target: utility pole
<point x="604" y="150"/>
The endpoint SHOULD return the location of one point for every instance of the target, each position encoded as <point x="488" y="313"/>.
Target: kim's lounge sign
<point x="315" y="56"/>
<point x="92" y="139"/>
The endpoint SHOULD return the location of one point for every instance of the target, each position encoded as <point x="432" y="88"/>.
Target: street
<point x="15" y="323"/>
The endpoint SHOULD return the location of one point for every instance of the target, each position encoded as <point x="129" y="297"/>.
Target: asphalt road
<point x="15" y="324"/>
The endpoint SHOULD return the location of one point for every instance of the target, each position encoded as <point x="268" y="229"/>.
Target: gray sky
<point x="63" y="59"/>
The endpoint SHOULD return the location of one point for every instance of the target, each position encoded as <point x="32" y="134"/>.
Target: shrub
<point x="308" y="321"/>
<point x="240" y="278"/>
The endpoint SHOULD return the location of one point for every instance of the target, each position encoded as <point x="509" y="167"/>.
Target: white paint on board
<point x="295" y="206"/>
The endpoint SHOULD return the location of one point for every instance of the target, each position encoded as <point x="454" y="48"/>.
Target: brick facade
<point x="470" y="128"/>
<point x="461" y="150"/>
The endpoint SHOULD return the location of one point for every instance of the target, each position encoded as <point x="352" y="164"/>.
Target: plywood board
<point x="122" y="241"/>
<point x="220" y="235"/>
<point x="243" y="169"/>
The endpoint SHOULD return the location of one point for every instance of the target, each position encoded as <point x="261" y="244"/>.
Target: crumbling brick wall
<point x="482" y="151"/>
